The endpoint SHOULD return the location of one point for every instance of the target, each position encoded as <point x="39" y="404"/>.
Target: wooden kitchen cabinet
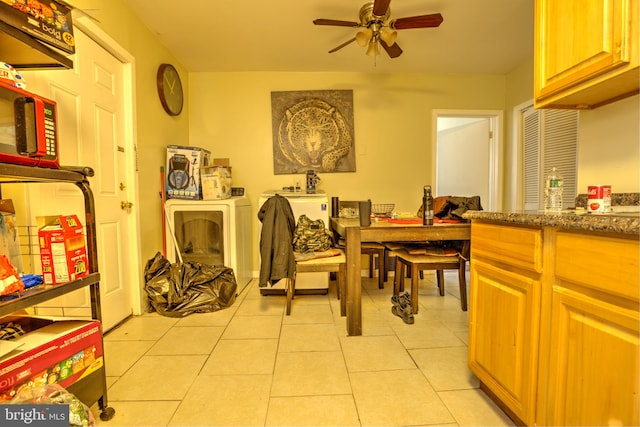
<point x="506" y="267"/>
<point x="593" y="347"/>
<point x="554" y="323"/>
<point x="586" y="52"/>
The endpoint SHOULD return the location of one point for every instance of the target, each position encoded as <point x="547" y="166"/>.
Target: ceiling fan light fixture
<point x="373" y="50"/>
<point x="363" y="37"/>
<point x="377" y="27"/>
<point x="388" y="36"/>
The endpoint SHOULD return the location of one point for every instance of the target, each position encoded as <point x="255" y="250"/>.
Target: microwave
<point x="28" y="128"/>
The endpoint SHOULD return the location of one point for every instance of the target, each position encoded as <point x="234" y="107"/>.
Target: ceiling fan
<point x="378" y="29"/>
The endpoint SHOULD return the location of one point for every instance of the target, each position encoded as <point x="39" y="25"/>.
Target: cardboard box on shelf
<point x="48" y="21"/>
<point x="221" y="162"/>
<point x="63" y="253"/>
<point x="183" y="171"/>
<point x="52" y="351"/>
<point x="216" y="182"/>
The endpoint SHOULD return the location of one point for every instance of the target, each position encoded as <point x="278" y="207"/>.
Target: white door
<point x="463" y="160"/>
<point x="467" y="155"/>
<point x="91" y="117"/>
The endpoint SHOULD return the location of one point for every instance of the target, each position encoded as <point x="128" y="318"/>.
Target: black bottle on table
<point x="427" y="206"/>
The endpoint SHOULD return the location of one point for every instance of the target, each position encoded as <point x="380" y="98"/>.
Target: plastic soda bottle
<point x="553" y="191"/>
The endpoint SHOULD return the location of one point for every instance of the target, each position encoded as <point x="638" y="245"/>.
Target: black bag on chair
<point x="311" y="236"/>
<point x="453" y="207"/>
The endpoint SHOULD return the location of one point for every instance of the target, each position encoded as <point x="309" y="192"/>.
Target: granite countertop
<point x="617" y="199"/>
<point x="627" y="223"/>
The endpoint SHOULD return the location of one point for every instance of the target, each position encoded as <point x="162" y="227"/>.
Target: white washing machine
<point x="314" y="206"/>
<point x="214" y="232"/>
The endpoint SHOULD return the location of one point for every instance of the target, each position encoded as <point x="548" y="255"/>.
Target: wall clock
<point x="170" y="89"/>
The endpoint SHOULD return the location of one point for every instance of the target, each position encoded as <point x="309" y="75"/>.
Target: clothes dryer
<point x="215" y="232"/>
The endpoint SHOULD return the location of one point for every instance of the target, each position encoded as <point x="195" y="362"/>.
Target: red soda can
<point x="599" y="198"/>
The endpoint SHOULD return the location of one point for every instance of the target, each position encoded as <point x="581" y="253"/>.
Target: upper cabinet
<point x="586" y="52"/>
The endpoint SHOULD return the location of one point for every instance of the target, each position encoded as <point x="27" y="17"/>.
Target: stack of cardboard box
<point x="216" y="180"/>
<point x="192" y="174"/>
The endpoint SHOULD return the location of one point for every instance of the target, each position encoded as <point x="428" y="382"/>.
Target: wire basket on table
<point x="382" y="209"/>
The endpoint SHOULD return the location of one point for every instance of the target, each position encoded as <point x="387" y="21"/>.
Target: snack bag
<point x="79" y="413"/>
<point x="10" y="281"/>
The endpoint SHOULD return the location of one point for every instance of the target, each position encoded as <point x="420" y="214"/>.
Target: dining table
<point x="384" y="230"/>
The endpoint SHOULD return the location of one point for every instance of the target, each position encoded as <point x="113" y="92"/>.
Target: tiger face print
<point x="313" y="134"/>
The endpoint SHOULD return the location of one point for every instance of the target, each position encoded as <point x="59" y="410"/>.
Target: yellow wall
<point x="230" y="114"/>
<point x="519" y="91"/>
<point x="609" y="147"/>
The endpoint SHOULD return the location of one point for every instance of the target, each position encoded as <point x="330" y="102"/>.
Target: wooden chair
<point x="376" y="251"/>
<point x="419" y="262"/>
<point x="390" y="247"/>
<point x="373" y="250"/>
<point x="333" y="264"/>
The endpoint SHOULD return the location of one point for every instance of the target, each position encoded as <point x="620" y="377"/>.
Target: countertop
<point x="626" y="223"/>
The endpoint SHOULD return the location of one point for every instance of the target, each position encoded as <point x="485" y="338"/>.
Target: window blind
<point x="549" y="139"/>
<point x="531" y="158"/>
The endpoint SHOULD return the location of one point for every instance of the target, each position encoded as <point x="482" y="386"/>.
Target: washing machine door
<point x="199" y="231"/>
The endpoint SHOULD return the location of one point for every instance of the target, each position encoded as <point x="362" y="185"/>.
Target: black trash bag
<point x="177" y="290"/>
<point x="156" y="278"/>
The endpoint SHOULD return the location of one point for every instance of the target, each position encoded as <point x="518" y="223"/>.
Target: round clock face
<point x="170" y="89"/>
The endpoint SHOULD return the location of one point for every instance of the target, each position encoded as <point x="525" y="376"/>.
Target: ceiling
<point x="477" y="36"/>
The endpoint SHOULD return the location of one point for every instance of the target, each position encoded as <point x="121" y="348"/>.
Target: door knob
<point x="122" y="186"/>
<point x="125" y="205"/>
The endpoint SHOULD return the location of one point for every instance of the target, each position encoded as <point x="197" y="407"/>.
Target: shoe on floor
<point x="405" y="298"/>
<point x="403" y="311"/>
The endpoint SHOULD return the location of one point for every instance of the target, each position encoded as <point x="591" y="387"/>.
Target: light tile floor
<point x="251" y="365"/>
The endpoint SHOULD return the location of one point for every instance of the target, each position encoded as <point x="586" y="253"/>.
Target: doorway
<point x="467" y="154"/>
<point x="95" y="117"/>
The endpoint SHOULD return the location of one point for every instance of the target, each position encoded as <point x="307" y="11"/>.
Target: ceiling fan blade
<point x="336" y="23"/>
<point x="380" y="7"/>
<point x="422" y="21"/>
<point x="393" y="51"/>
<point x="342" y="45"/>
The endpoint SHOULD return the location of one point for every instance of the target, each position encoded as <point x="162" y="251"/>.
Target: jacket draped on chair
<point x="276" y="241"/>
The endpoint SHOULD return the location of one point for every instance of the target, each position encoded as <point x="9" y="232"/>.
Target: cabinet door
<point x="503" y="342"/>
<point x="586" y="52"/>
<point x="593" y="372"/>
